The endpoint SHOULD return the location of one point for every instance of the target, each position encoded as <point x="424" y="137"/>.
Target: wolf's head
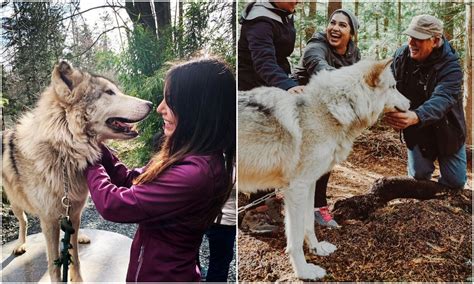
<point x="95" y="105"/>
<point x="359" y="93"/>
<point x="380" y="78"/>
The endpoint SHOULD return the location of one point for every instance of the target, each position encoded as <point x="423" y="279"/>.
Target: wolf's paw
<point x="83" y="239"/>
<point x="19" y="250"/>
<point x="76" y="279"/>
<point x="75" y="275"/>
<point x="310" y="271"/>
<point x="324" y="249"/>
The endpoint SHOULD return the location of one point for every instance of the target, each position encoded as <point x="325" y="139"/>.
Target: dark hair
<point x="202" y="95"/>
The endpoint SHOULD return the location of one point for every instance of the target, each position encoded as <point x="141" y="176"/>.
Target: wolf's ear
<point x="65" y="71"/>
<point x="65" y="78"/>
<point x="372" y="77"/>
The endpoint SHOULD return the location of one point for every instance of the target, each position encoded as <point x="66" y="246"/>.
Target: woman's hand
<point x="296" y="90"/>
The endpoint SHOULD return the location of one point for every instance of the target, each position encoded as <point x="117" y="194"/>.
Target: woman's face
<point x="338" y="32"/>
<point x="169" y="119"/>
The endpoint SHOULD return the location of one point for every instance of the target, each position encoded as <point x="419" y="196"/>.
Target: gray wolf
<point x="288" y="141"/>
<point x="51" y="146"/>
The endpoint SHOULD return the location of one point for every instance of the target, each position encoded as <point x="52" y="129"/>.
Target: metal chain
<point x="257" y="201"/>
<point x="65" y="200"/>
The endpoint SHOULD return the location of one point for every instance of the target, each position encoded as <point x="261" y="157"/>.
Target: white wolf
<point x="51" y="146"/>
<point x="289" y="141"/>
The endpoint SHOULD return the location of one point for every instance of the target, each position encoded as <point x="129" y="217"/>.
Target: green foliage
<point x="35" y="35"/>
<point x="196" y="18"/>
<point x="106" y="61"/>
<point x="380" y="32"/>
<point x="141" y="73"/>
<point x="143" y="66"/>
<point x="3" y="102"/>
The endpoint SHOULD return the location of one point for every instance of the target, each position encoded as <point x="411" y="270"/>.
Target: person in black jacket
<point x="428" y="72"/>
<point x="267" y="38"/>
<point x="328" y="50"/>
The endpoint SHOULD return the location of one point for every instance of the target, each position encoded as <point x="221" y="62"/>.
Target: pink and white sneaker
<point x="324" y="218"/>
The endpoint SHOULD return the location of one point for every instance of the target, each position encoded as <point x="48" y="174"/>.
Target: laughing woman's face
<point x="169" y="119"/>
<point x="338" y="32"/>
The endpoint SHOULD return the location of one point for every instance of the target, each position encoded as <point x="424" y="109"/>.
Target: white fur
<point x="289" y="141"/>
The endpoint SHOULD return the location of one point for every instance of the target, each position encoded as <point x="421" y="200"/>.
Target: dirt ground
<point x="407" y="240"/>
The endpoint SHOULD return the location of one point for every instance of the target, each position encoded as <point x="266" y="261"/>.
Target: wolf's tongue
<point x="121" y="124"/>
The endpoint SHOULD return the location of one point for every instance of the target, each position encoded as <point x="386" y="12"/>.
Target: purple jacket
<point x="169" y="212"/>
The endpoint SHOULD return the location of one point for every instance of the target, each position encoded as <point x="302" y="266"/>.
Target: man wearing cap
<point x="428" y="72"/>
<point x="328" y="50"/>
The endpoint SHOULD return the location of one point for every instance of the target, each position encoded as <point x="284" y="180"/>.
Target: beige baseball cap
<point x="424" y="27"/>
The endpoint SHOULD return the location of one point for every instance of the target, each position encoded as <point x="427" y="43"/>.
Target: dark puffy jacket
<point x="434" y="89"/>
<point x="319" y="55"/>
<point x="267" y="38"/>
<point x="169" y="212"/>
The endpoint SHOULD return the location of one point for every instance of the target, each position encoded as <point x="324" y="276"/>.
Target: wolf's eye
<point x="110" y="92"/>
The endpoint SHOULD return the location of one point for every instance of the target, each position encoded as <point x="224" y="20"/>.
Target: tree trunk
<point x="399" y="22"/>
<point x="386" y="11"/>
<point x="140" y="13"/>
<point x="310" y="29"/>
<point x="180" y="10"/>
<point x="163" y="15"/>
<point x="131" y="11"/>
<point x="356" y="12"/>
<point x="447" y="20"/>
<point x="384" y="190"/>
<point x="333" y="6"/>
<point x="468" y="72"/>
<point x="234" y="20"/>
<point x="377" y="36"/>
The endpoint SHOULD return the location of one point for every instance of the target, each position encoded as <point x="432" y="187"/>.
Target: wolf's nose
<point x="150" y="105"/>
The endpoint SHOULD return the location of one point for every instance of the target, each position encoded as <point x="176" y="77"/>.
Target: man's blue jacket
<point x="434" y="88"/>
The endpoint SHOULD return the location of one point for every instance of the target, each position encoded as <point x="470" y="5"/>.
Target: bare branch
<point x="4" y="3"/>
<point x="90" y="9"/>
<point x="98" y="37"/>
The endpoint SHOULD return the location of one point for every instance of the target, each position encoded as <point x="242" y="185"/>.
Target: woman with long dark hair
<point x="180" y="192"/>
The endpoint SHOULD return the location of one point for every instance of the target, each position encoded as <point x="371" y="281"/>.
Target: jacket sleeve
<point x="445" y="95"/>
<point x="171" y="194"/>
<point x="119" y="174"/>
<point x="262" y="50"/>
<point x="314" y="59"/>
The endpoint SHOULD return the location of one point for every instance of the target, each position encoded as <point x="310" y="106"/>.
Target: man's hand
<point x="401" y="120"/>
<point x="296" y="90"/>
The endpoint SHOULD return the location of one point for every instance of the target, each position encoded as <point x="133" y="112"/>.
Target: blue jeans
<point x="453" y="168"/>
<point x="221" y="251"/>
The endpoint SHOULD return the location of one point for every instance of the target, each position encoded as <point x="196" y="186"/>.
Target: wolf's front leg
<point x="295" y="201"/>
<point x="310" y="235"/>
<point x="75" y="268"/>
<point x="319" y="248"/>
<point x="50" y="229"/>
<point x="20" y="248"/>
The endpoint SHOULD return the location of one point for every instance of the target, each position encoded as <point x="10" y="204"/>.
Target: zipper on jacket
<point x="140" y="262"/>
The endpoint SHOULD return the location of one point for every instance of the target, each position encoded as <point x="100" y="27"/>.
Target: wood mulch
<point x="403" y="240"/>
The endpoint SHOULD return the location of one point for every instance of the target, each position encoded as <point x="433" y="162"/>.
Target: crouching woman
<point x="180" y="192"/>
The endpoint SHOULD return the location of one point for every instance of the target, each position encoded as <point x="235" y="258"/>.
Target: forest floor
<point x="406" y="240"/>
